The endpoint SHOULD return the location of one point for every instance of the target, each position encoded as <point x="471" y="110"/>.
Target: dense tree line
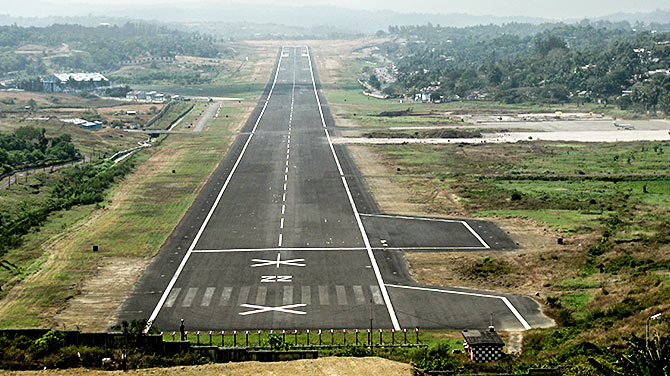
<point x="78" y="185"/>
<point x="537" y="63"/>
<point x="99" y="48"/>
<point x="29" y="146"/>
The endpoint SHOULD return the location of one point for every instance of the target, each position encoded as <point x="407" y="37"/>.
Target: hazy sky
<point x="540" y="8"/>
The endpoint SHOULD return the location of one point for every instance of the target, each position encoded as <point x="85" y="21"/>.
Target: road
<point x="285" y="235"/>
<point x="211" y="110"/>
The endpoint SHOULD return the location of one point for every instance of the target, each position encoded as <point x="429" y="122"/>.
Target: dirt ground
<point x="97" y="304"/>
<point x="330" y="366"/>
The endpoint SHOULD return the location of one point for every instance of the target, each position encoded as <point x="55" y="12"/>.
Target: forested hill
<point x="542" y="63"/>
<point x="99" y="48"/>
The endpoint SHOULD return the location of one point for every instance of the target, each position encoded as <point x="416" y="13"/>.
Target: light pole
<point x="646" y="336"/>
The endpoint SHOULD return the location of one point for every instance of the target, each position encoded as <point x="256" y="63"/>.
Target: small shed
<point x="483" y="346"/>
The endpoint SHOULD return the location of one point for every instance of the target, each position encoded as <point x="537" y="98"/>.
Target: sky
<point x="555" y="9"/>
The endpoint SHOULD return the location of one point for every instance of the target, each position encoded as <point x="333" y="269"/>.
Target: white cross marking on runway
<point x="278" y="262"/>
<point x="284" y="309"/>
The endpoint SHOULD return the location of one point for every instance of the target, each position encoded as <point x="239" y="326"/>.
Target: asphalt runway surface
<point x="286" y="235"/>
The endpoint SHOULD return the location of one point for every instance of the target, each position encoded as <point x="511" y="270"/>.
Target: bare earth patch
<point x="96" y="306"/>
<point x="329" y="366"/>
<point x="531" y="269"/>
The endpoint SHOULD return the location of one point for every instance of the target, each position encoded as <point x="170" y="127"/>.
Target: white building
<point x="73" y="82"/>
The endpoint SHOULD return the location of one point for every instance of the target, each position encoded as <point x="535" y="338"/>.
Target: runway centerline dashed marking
<point x="288" y="151"/>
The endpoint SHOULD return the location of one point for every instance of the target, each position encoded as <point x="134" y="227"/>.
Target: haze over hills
<point x="328" y="19"/>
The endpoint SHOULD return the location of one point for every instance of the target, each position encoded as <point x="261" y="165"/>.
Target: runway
<point x="285" y="235"/>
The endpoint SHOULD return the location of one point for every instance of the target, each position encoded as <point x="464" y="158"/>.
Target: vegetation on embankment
<point x="29" y="146"/>
<point x="608" y="202"/>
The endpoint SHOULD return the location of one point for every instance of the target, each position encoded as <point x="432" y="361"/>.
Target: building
<point x="136" y="94"/>
<point x="85" y="124"/>
<point x="483" y="346"/>
<point x="149" y="96"/>
<point x="74" y="82"/>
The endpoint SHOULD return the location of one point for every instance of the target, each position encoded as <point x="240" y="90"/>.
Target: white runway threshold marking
<point x="464" y="223"/>
<point x="173" y="280"/>
<point x="373" y="261"/>
<point x="509" y="305"/>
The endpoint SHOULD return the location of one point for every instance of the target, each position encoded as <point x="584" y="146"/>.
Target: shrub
<point x="49" y="342"/>
<point x="487" y="267"/>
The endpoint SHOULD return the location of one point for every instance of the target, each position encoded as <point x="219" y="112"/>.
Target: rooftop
<point x="81" y="76"/>
<point x="476" y="337"/>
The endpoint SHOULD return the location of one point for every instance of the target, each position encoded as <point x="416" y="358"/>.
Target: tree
<point x="544" y="45"/>
<point x="374" y="81"/>
<point x="495" y="75"/>
<point x="32" y="104"/>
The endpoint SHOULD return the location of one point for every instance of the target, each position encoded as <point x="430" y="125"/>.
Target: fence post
<point x="405" y="331"/>
<point x="173" y="335"/>
<point x="186" y="335"/>
<point x="369" y="338"/>
<point x="344" y="336"/>
<point x="417" y="335"/>
<point x="197" y="334"/>
<point x="319" y="337"/>
<point x="393" y="336"/>
<point x="356" y="337"/>
<point x="381" y="339"/>
<point x="307" y="337"/>
<point x="295" y="334"/>
<point x="259" y="338"/>
<point x="223" y="335"/>
<point x="234" y="338"/>
<point x="332" y="337"/>
<point x="283" y="336"/>
<point x="246" y="335"/>
<point x="210" y="338"/>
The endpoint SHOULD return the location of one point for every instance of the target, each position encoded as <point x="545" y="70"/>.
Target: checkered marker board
<point x="483" y="354"/>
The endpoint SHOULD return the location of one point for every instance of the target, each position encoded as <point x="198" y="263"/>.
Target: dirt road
<point x="324" y="366"/>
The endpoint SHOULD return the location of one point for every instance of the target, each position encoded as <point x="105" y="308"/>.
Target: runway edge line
<point x="174" y="278"/>
<point x="373" y="261"/>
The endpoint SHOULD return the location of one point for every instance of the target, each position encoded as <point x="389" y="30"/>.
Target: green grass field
<point x="569" y="187"/>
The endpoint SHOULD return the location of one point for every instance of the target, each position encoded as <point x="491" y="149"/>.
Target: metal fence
<point x="302" y="339"/>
